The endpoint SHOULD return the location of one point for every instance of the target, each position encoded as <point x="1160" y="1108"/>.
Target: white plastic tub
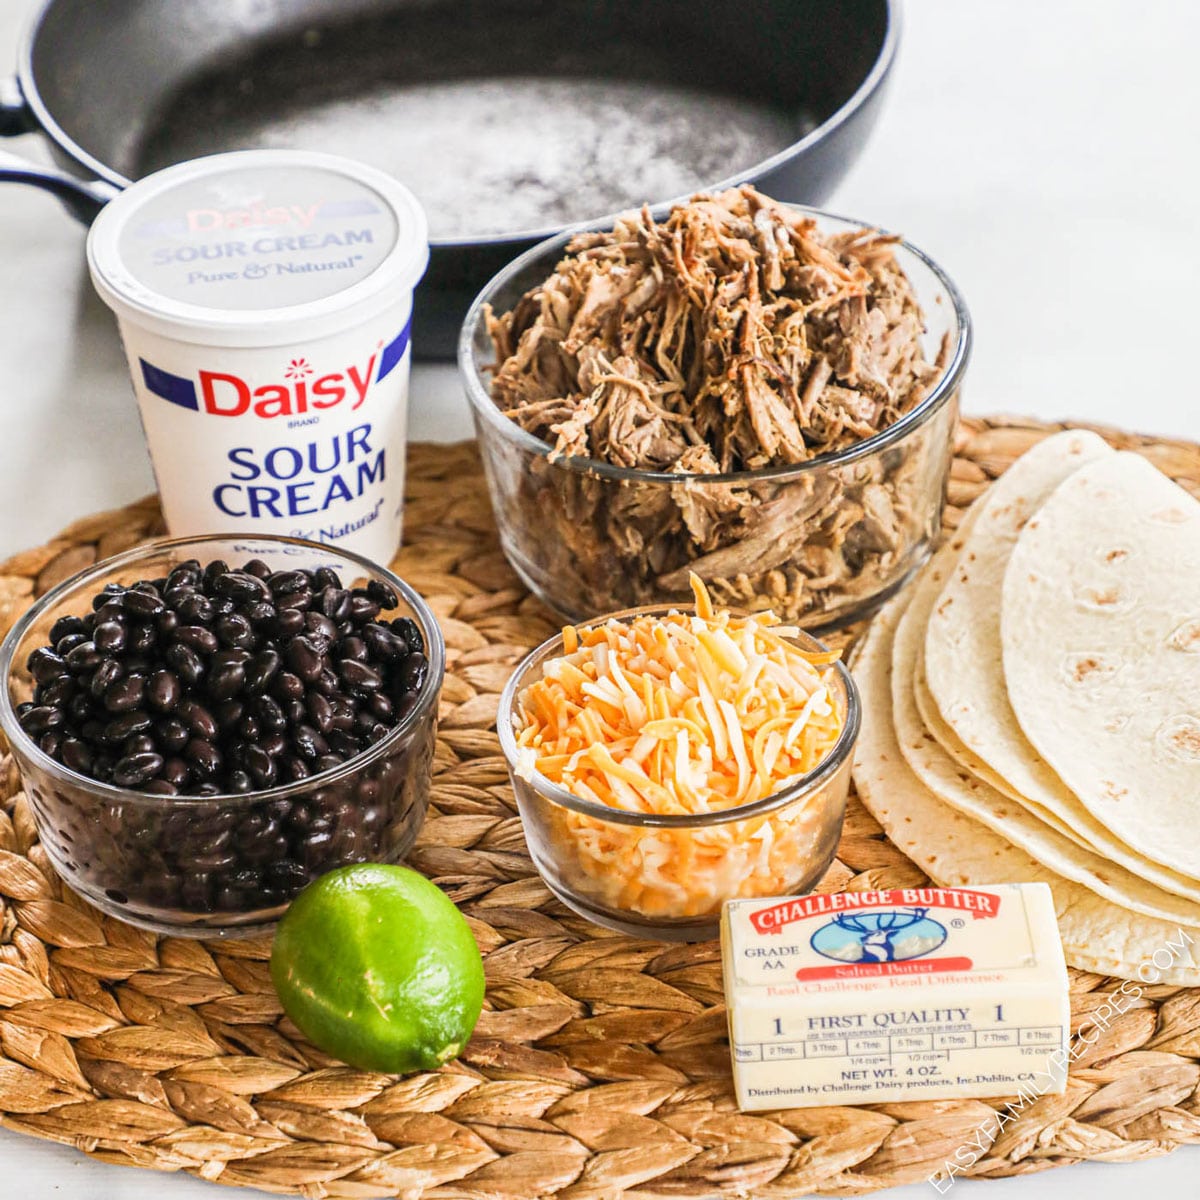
<point x="265" y="300"/>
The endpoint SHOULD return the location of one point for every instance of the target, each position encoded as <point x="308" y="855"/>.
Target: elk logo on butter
<point x="894" y="935"/>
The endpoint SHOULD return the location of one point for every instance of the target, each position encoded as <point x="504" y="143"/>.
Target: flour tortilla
<point x="947" y="739"/>
<point x="1101" y="842"/>
<point x="1100" y="624"/>
<point x="963" y="665"/>
<point x="944" y="568"/>
<point x="956" y="851"/>
<point x="955" y="785"/>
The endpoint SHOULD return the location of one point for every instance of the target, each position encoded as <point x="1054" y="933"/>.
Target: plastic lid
<point x="257" y="247"/>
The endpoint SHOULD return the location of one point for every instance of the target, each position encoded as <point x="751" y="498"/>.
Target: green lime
<point x="376" y="966"/>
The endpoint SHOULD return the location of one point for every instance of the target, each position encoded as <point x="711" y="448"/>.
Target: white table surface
<point x="1044" y="153"/>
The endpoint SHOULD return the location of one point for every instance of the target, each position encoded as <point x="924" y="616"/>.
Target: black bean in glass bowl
<point x="204" y="725"/>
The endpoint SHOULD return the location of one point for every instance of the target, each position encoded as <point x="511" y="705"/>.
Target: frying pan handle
<point x="16" y="117"/>
<point x="84" y="198"/>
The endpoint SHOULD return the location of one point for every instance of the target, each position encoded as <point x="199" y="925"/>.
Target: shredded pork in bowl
<point x="761" y="394"/>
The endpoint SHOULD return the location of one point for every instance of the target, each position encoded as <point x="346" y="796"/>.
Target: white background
<point x="1043" y="151"/>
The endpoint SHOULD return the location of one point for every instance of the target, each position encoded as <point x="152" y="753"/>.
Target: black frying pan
<point x="510" y="119"/>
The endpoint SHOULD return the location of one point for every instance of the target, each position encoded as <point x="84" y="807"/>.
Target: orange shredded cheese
<point x="682" y="714"/>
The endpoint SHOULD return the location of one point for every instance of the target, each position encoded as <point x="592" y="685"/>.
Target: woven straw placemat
<point x="599" y="1068"/>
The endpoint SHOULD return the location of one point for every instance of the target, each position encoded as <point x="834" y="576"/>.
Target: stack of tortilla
<point x="1032" y="705"/>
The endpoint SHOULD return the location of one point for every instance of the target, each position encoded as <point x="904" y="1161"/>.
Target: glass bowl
<point x="845" y="530"/>
<point x="563" y="830"/>
<point x="215" y="865"/>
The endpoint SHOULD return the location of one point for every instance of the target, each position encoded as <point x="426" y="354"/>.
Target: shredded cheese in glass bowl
<point x="665" y="762"/>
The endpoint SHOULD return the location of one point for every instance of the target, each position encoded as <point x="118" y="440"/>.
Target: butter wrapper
<point x="908" y="994"/>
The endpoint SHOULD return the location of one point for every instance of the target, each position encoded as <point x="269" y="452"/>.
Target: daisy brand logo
<point x="298" y="368"/>
<point x="243" y="216"/>
<point x="297" y="390"/>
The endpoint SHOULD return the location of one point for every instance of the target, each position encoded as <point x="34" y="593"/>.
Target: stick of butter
<point x="909" y="994"/>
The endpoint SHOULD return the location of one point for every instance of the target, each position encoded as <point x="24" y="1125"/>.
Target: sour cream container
<point x="264" y="300"/>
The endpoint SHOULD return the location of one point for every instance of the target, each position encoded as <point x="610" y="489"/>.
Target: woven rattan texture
<point x="599" y="1068"/>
